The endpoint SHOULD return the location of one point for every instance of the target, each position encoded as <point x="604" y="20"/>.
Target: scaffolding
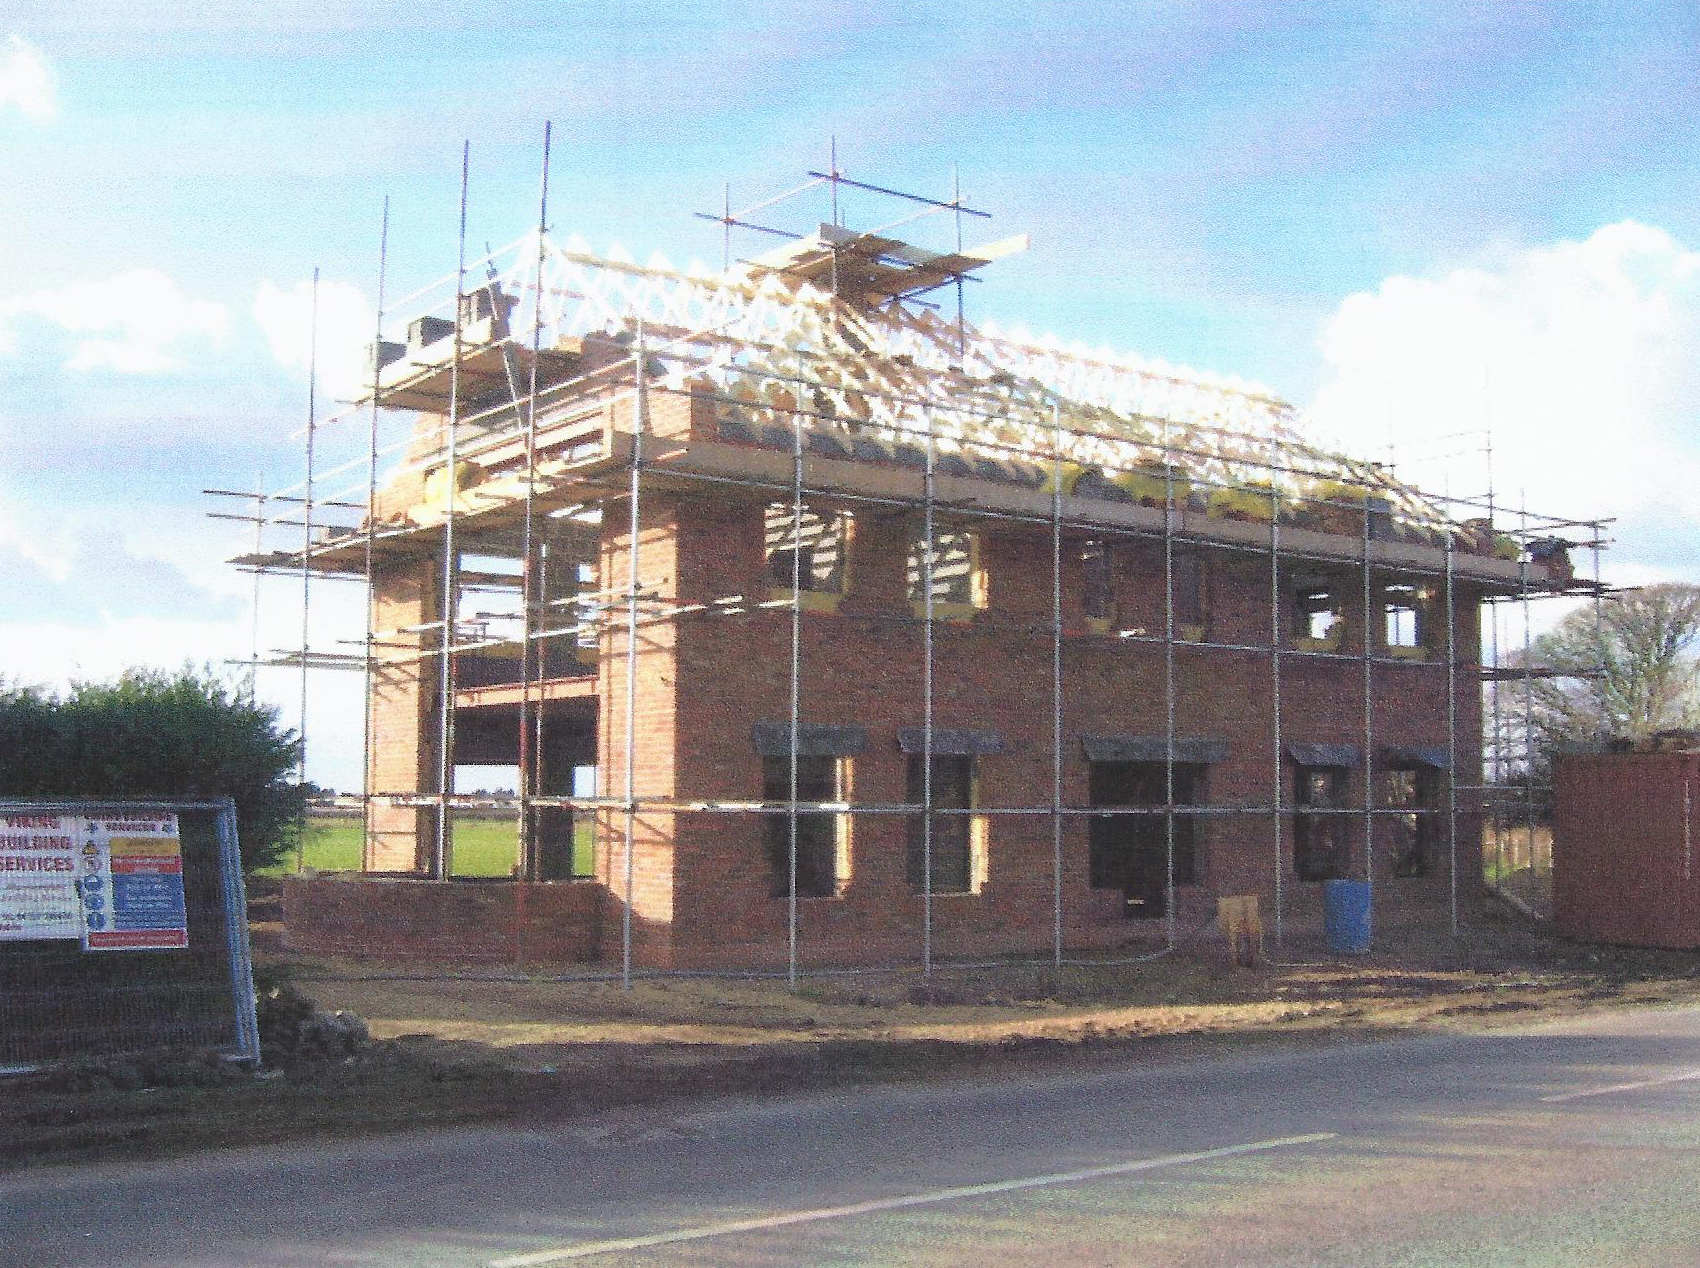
<point x="556" y="389"/>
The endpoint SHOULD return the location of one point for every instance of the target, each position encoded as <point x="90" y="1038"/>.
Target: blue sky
<point x="1412" y="219"/>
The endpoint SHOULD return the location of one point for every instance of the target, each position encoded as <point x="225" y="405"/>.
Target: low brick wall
<point x="405" y="917"/>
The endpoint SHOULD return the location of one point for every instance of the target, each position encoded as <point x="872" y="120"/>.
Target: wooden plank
<point x="423" y="384"/>
<point x="826" y="475"/>
<point x="767" y="472"/>
<point x="508" y="694"/>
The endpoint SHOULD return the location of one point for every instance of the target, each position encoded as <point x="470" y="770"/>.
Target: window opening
<point x="1403" y="606"/>
<point x="1316" y="613"/>
<point x="486" y="837"/>
<point x="583" y="615"/>
<point x="957" y="582"/>
<point x="1099" y="591"/>
<point x="952" y="834"/>
<point x="1319" y="832"/>
<point x="566" y="570"/>
<point x="814" y="557"/>
<point x="818" y="780"/>
<point x="486" y="779"/>
<point x="1187" y="570"/>
<point x="1416" y="828"/>
<point x="490" y="565"/>
<point x="583" y="864"/>
<point x="563" y="840"/>
<point x="1130" y="852"/>
<point x="489" y="617"/>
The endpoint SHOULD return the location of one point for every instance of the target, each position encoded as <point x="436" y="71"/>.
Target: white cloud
<point x="27" y="82"/>
<point x="1582" y="357"/>
<point x="50" y="550"/>
<point x="53" y="653"/>
<point x="1639" y="574"/>
<point x="346" y="324"/>
<point x="136" y="322"/>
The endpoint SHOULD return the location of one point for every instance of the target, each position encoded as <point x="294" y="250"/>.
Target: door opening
<point x="1130" y="852"/>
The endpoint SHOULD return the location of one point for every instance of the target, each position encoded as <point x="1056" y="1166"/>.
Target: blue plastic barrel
<point x="1345" y="916"/>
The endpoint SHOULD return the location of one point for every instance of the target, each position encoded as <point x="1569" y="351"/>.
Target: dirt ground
<point x="1497" y="968"/>
<point x="452" y="1045"/>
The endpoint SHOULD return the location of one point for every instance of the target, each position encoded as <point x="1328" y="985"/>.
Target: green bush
<point x="150" y="733"/>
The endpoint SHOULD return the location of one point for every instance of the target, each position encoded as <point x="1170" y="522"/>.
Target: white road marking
<point x="585" y="1250"/>
<point x="1685" y="1077"/>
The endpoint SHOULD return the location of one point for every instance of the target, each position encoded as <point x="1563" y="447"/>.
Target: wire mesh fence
<point x="122" y="930"/>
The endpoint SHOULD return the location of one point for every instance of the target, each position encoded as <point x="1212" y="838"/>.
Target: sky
<point x="1430" y="226"/>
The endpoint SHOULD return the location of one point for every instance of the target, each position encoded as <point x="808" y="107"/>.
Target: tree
<point x="150" y="733"/>
<point x="1630" y="673"/>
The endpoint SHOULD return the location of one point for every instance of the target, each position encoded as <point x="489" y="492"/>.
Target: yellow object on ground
<point x="1242" y="925"/>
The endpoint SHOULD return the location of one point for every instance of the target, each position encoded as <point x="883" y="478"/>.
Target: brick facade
<point x="398" y="918"/>
<point x="640" y="450"/>
<point x="702" y="893"/>
<point x="863" y="665"/>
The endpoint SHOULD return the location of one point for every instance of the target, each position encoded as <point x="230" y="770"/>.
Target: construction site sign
<point x="114" y="884"/>
<point x="38" y="877"/>
<point x="132" y="885"/>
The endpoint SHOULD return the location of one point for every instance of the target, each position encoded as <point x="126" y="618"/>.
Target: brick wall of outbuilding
<point x="1623" y="838"/>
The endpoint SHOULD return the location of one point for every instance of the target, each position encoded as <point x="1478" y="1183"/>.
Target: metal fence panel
<point x="59" y="1002"/>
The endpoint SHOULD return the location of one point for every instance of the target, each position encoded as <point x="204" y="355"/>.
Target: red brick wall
<point x="863" y="665"/>
<point x="405" y="918"/>
<point x="402" y="757"/>
<point x="1623" y="869"/>
<point x="671" y="415"/>
<point x="701" y="886"/>
<point x="656" y="717"/>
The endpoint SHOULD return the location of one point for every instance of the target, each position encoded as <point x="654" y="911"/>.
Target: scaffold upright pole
<point x="640" y="410"/>
<point x="368" y="659"/>
<point x="307" y="561"/>
<point x="1056" y="687"/>
<point x="442" y="862"/>
<point x="532" y="651"/>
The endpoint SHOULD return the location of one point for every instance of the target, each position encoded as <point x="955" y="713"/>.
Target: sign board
<point x="132" y="885"/>
<point x="113" y="883"/>
<point x="38" y="876"/>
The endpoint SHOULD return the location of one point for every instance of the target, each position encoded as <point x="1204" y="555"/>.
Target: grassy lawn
<point x="483" y="847"/>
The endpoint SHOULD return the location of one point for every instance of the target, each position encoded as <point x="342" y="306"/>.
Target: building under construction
<point x="824" y="627"/>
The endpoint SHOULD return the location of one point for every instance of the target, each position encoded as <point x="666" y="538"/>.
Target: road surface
<point x="1574" y="1143"/>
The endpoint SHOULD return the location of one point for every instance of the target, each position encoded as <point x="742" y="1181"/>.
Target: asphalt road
<point x="1552" y="1145"/>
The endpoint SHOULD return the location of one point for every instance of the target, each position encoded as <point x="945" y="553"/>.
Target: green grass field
<point x="1512" y="852"/>
<point x="482" y="847"/>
